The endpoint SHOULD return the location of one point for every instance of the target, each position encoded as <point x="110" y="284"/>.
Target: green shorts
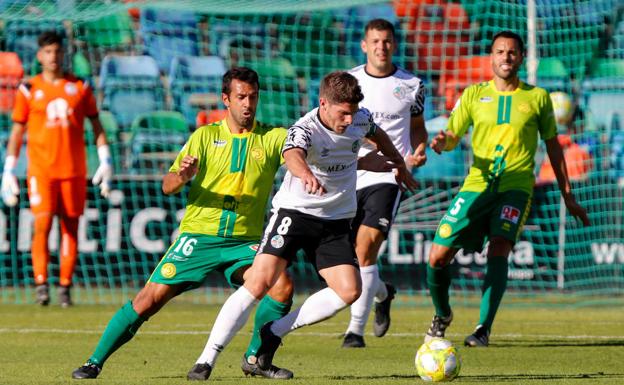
<point x="193" y="256"/>
<point x="474" y="217"/>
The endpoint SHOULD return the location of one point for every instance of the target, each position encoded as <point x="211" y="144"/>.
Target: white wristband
<point x="9" y="163"/>
<point x="104" y="154"/>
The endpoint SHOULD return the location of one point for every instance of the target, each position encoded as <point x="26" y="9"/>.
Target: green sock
<point x="120" y="329"/>
<point x="268" y="310"/>
<point x="439" y="281"/>
<point x="494" y="286"/>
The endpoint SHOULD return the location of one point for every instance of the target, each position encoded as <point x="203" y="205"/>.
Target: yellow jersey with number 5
<point x="229" y="194"/>
<point x="505" y="133"/>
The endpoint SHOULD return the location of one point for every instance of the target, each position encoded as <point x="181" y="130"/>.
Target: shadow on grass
<point x="540" y="377"/>
<point x="557" y="343"/>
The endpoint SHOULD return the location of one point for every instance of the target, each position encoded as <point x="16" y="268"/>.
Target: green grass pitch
<point x="529" y="345"/>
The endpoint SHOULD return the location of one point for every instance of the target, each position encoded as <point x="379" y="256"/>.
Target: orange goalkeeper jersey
<point x="54" y="115"/>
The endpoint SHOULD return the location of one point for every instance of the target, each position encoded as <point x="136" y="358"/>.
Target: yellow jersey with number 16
<point x="229" y="194"/>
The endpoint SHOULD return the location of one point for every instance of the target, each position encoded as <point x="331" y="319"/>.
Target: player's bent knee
<point x="283" y="289"/>
<point x="440" y="256"/>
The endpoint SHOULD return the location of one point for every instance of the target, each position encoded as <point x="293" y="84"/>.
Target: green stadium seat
<point x="605" y="74"/>
<point x="279" y="91"/>
<point x="156" y="139"/>
<point x="553" y="75"/>
<point x="108" y="31"/>
<point x="107" y="119"/>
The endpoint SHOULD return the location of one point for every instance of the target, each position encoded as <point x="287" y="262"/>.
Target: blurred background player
<point x="233" y="163"/>
<point x="577" y="158"/>
<point x="311" y="211"/>
<point x="395" y="99"/>
<point x="494" y="201"/>
<point x="51" y="108"/>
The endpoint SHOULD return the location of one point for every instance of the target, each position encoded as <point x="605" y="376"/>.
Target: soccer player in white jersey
<point x="312" y="210"/>
<point x="395" y="99"/>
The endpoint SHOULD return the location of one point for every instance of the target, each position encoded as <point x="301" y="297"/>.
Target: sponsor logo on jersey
<point x="384" y="222"/>
<point x="445" y="230"/>
<point x="71" y="89"/>
<point x="355" y="146"/>
<point x="168" y="270"/>
<point x="219" y="142"/>
<point x="254" y="247"/>
<point x="449" y="218"/>
<point x="257" y="153"/>
<point x="485" y="99"/>
<point x="510" y="213"/>
<point x="380" y="116"/>
<point x="334" y="167"/>
<point x="176" y="257"/>
<point x="277" y="241"/>
<point x="38" y="94"/>
<point x="506" y="226"/>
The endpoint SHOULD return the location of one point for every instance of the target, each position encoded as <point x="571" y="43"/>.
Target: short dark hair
<point x="49" y="38"/>
<point x="341" y="87"/>
<point x="243" y="74"/>
<point x="379" y="25"/>
<point x="508" y="35"/>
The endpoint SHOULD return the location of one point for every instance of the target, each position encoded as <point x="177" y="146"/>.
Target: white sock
<point x="361" y="308"/>
<point x="232" y="317"/>
<point x="382" y="291"/>
<point x="318" y="307"/>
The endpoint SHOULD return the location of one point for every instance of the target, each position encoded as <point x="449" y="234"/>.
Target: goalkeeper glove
<point x="104" y="172"/>
<point x="10" y="186"/>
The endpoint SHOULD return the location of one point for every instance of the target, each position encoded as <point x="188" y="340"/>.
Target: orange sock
<point x="69" y="249"/>
<point x="39" y="249"/>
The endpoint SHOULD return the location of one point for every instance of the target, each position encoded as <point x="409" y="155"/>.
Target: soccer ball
<point x="562" y="104"/>
<point x="438" y="360"/>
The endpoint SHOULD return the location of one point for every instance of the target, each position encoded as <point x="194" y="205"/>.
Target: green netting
<point x="156" y="66"/>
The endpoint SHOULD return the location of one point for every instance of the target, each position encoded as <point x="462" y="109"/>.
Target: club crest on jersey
<point x="324" y="152"/>
<point x="168" y="270"/>
<point x="255" y="247"/>
<point x="399" y="92"/>
<point x="445" y="230"/>
<point x="257" y="153"/>
<point x="355" y="146"/>
<point x="524" y="108"/>
<point x="71" y="89"/>
<point x="510" y="213"/>
<point x="277" y="241"/>
<point x="219" y="142"/>
<point x="485" y="99"/>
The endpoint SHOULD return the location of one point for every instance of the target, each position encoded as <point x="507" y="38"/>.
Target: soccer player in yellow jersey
<point x="507" y="116"/>
<point x="232" y="164"/>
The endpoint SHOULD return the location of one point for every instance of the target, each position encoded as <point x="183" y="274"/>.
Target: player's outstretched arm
<point x="295" y="159"/>
<point x="555" y="154"/>
<point x="174" y="181"/>
<point x="404" y="178"/>
<point x="10" y="186"/>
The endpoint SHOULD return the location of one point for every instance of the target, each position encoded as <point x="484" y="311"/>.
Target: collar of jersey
<point x="382" y="77"/>
<point x="493" y="86"/>
<point x="227" y="128"/>
<point x="318" y="117"/>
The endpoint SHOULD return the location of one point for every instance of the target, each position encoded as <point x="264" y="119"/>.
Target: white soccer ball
<point x="562" y="104"/>
<point x="438" y="360"/>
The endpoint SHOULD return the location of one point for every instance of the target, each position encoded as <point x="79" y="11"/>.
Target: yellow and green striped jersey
<point x="505" y="134"/>
<point x="229" y="194"/>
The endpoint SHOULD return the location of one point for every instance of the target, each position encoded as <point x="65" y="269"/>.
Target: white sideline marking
<point x="315" y="334"/>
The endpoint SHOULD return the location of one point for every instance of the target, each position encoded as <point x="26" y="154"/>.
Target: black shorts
<point x="376" y="207"/>
<point x="326" y="243"/>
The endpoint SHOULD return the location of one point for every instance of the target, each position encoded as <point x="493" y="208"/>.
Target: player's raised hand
<point x="311" y="184"/>
<point x="373" y="161"/>
<point x="417" y="159"/>
<point x="188" y="167"/>
<point x="576" y="210"/>
<point x="438" y="143"/>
